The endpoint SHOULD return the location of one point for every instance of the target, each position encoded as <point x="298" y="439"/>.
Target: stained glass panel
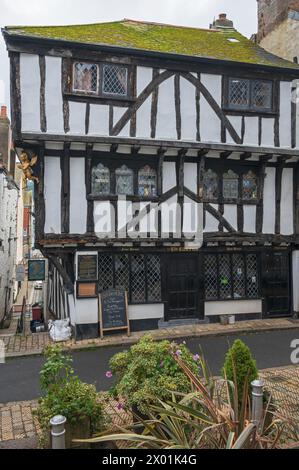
<point x="230" y="185"/>
<point x="85" y="77"/>
<point x="147" y="182"/>
<point x="100" y="180"/>
<point x="249" y="186"/>
<point x="124" y="181"/>
<point x="210" y="185"/>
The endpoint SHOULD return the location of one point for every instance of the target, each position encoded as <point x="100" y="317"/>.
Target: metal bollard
<point x="257" y="401"/>
<point x="58" y="432"/>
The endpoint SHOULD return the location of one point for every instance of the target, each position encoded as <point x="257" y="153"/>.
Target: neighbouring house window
<point x="124" y="181"/>
<point x="138" y="274"/>
<point x="147" y="182"/>
<point x="250" y="95"/>
<point x="230" y="185"/>
<point x="100" y="180"/>
<point x="115" y="80"/>
<point x="249" y="186"/>
<point x="85" y="77"/>
<point x="211" y="185"/>
<point x="231" y="276"/>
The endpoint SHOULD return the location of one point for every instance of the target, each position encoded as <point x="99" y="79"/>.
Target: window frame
<point x="250" y="110"/>
<point x="114" y="162"/>
<point x="113" y="256"/>
<point x="221" y="167"/>
<point x="244" y="255"/>
<point x="79" y="95"/>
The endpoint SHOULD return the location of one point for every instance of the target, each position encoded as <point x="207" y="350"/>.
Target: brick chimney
<point x="222" y="22"/>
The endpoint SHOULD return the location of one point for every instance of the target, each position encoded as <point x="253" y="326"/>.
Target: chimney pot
<point x="4" y="111"/>
<point x="222" y="16"/>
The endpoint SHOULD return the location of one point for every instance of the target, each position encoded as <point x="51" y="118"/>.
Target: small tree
<point x="240" y="367"/>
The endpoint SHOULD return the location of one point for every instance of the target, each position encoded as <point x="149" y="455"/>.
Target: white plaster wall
<point x="53" y="92"/>
<point x="233" y="307"/>
<point x="188" y="110"/>
<point x="125" y="214"/>
<point x="78" y="203"/>
<point x="269" y="201"/>
<point x="30" y="92"/>
<point x="146" y="311"/>
<point x="295" y="268"/>
<point x="210" y="125"/>
<point x="230" y="214"/>
<point x="190" y="175"/>
<point x="52" y="195"/>
<point x="99" y="120"/>
<point x="166" y="117"/>
<point x="77" y="118"/>
<point x="251" y="136"/>
<point x="117" y="114"/>
<point x="267" y="132"/>
<point x="169" y="176"/>
<point x="285" y="114"/>
<point x="193" y="217"/>
<point x="143" y="115"/>
<point x="237" y="124"/>
<point x="212" y="224"/>
<point x="170" y="215"/>
<point x="249" y="219"/>
<point x="103" y="212"/>
<point x="287" y="202"/>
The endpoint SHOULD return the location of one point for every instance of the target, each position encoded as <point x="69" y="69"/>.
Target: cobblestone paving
<point x="17" y="421"/>
<point x="31" y="344"/>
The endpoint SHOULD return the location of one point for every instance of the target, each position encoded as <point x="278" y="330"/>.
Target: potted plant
<point x="149" y="369"/>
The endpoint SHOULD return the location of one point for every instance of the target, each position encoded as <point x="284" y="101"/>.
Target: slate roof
<point x="225" y="43"/>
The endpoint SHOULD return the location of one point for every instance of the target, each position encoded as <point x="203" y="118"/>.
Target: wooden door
<point x="276" y="284"/>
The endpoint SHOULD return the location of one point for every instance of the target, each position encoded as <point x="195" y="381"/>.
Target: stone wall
<point x="284" y="40"/>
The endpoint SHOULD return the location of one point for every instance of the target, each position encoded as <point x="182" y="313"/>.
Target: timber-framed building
<point x="158" y="114"/>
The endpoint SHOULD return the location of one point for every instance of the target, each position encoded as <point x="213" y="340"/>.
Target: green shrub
<point x="149" y="369"/>
<point x="240" y="366"/>
<point x="67" y="395"/>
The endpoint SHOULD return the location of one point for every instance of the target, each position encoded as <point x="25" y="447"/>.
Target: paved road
<point x="19" y="378"/>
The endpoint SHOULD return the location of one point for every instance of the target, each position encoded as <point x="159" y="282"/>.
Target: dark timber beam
<point x="245" y="156"/>
<point x="225" y="155"/>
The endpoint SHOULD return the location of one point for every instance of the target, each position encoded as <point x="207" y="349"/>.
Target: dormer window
<point x="101" y="80"/>
<point x="253" y="96"/>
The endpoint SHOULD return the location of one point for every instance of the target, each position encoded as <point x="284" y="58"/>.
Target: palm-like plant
<point x="210" y="416"/>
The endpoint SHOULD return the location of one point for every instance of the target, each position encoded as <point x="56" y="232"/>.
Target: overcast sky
<point x="55" y="12"/>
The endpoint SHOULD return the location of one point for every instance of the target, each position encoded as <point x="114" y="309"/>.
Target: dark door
<point x="276" y="284"/>
<point x="182" y="286"/>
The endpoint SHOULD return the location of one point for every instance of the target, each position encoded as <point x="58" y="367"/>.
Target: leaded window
<point x="250" y="95"/>
<point x="147" y="182"/>
<point x="230" y="185"/>
<point x="211" y="185"/>
<point x="231" y="276"/>
<point x="124" y="181"/>
<point x="138" y="274"/>
<point x="86" y="77"/>
<point x="115" y="80"/>
<point x="249" y="186"/>
<point x="100" y="180"/>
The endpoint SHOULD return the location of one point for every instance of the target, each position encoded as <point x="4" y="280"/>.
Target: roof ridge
<point x="154" y="23"/>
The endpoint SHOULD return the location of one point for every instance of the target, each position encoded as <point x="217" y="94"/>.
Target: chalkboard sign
<point x="113" y="309"/>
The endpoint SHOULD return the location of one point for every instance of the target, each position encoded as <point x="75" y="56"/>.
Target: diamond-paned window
<point x="124" y="181"/>
<point x="105" y="272"/>
<point x="250" y="95"/>
<point x="230" y="185"/>
<point x="249" y="186"/>
<point x="100" y="180"/>
<point x="115" y="80"/>
<point x="238" y="276"/>
<point x="231" y="276"/>
<point x="122" y="272"/>
<point x="239" y="93"/>
<point x="153" y="278"/>
<point x="86" y="77"/>
<point x="262" y="94"/>
<point x="147" y="182"/>
<point x="210" y="185"/>
<point x="138" y="278"/>
<point x="211" y="278"/>
<point x="252" y="276"/>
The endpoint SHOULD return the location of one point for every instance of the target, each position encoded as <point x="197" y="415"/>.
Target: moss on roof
<point x="225" y="44"/>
